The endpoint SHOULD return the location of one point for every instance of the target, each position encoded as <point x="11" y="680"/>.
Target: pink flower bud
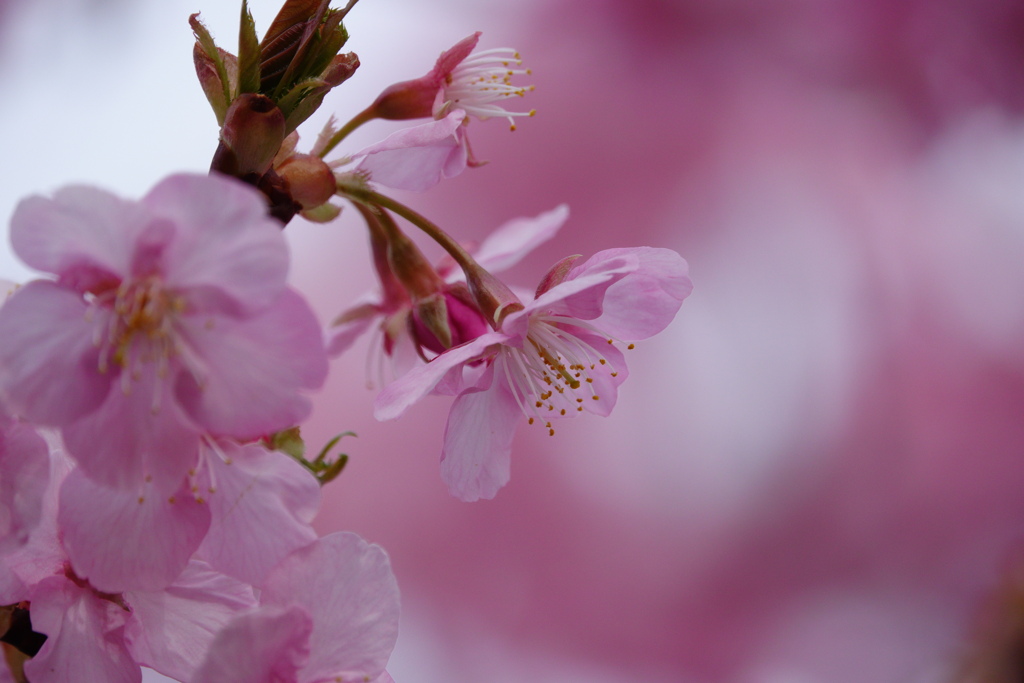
<point x="447" y="319"/>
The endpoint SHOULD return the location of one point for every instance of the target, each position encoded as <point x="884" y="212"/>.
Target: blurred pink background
<point x="815" y="474"/>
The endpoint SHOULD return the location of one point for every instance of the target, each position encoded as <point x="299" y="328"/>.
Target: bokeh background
<point x="815" y="474"/>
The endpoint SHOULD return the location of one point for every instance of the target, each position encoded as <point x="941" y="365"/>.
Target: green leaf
<point x="204" y="41"/>
<point x="248" y="53"/>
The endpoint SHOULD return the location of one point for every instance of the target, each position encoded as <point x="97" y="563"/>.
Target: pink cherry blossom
<point x="97" y="634"/>
<point x="169" y="319"/>
<point x="461" y="79"/>
<point x="554" y="358"/>
<point x="462" y="84"/>
<point x="329" y="612"/>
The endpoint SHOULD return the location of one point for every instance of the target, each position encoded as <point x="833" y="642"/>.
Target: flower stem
<point x="435" y="233"/>
<point x="343" y="132"/>
<point x="492" y="296"/>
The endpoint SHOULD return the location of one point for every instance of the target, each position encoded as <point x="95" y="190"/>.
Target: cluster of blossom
<point x="155" y="497"/>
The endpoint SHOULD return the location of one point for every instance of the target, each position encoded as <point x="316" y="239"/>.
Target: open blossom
<point x="169" y="319"/>
<point x="461" y="79"/>
<point x="462" y="84"/>
<point x="554" y="358"/>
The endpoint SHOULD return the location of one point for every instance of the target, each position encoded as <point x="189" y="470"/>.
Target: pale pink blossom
<point x="462" y="84"/>
<point x="329" y="612"/>
<point x="169" y="319"/>
<point x="100" y="634"/>
<point x="461" y="79"/>
<point x="554" y="358"/>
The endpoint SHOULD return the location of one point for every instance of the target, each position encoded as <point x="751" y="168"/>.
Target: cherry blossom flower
<point x="462" y="84"/>
<point x="105" y="634"/>
<point x="314" y="625"/>
<point x="555" y="357"/>
<point x="461" y="79"/>
<point x="169" y="319"/>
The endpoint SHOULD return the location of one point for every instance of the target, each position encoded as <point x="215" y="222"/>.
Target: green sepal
<point x="302" y="100"/>
<point x="248" y="53"/>
<point x="325" y="213"/>
<point x="204" y="43"/>
<point x="289" y="442"/>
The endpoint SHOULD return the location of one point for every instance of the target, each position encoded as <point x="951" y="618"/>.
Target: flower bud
<point x="446" y="319"/>
<point x="252" y="134"/>
<point x="310" y="179"/>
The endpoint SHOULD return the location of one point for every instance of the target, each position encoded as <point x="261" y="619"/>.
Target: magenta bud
<point x="446" y="320"/>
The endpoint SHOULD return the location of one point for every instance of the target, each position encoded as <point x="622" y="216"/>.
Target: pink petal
<point x="128" y="541"/>
<point x="354" y="322"/>
<point x="48" y="363"/>
<point x="262" y="507"/>
<point x="455" y="55"/>
<point x="24" y="475"/>
<point x="132" y="437"/>
<point x="43" y="555"/>
<point x="225" y="242"/>
<point x="644" y="302"/>
<point x="478" y="438"/>
<point x="172" y="629"/>
<point x="254" y="369"/>
<point x="581" y="294"/>
<point x="84" y="636"/>
<point x="604" y="385"/>
<point x="83" y="234"/>
<point x="419" y="157"/>
<point x="396" y="398"/>
<point x="507" y="245"/>
<point x="346" y="585"/>
<point x="265" y="646"/>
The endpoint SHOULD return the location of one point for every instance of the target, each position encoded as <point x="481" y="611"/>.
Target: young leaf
<point x="248" y="53"/>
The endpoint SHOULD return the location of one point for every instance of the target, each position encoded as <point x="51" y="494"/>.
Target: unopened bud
<point x="310" y="180"/>
<point x="252" y="134"/>
<point x="446" y="320"/>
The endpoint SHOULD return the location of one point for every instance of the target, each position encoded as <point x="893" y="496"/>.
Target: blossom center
<point x="553" y="374"/>
<point x="482" y="79"/>
<point x="140" y="328"/>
